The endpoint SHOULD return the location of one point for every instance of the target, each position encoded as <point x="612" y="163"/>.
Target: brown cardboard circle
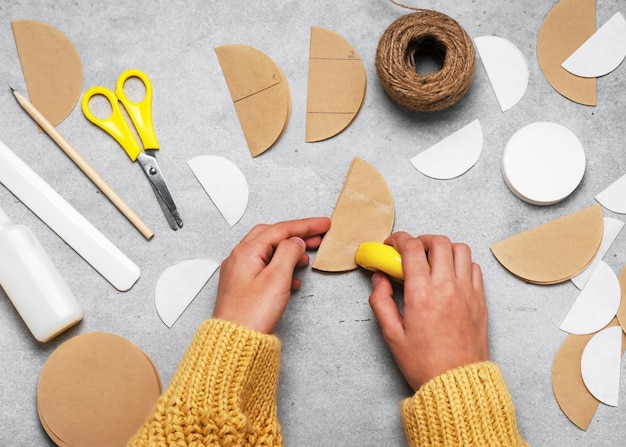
<point x="96" y="390"/>
<point x="260" y="93"/>
<point x="51" y="433"/>
<point x="566" y="27"/>
<point x="364" y="213"/>
<point x="51" y="66"/>
<point x="555" y="251"/>
<point x="336" y="85"/>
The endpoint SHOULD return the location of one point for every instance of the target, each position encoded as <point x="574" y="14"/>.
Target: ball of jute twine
<point x="438" y="36"/>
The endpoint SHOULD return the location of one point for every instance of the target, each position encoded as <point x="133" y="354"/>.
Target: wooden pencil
<point x="83" y="165"/>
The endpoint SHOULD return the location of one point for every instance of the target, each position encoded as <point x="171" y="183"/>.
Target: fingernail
<point x="376" y="277"/>
<point x="298" y="241"/>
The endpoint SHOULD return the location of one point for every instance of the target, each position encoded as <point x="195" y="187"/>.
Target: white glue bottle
<point x="33" y="283"/>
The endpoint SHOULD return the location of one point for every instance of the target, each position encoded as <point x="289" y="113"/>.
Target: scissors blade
<point x="173" y="218"/>
<point x="155" y="176"/>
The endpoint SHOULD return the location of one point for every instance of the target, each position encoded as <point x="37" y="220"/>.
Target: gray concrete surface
<point x="339" y="385"/>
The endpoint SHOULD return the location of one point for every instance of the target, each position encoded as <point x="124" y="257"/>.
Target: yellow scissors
<point x="141" y="116"/>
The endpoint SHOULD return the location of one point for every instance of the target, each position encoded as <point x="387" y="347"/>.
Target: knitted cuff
<point x="469" y="405"/>
<point x="235" y="360"/>
<point x="235" y="370"/>
<point x="223" y="392"/>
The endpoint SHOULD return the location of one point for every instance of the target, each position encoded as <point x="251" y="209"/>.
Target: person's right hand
<point x="444" y="323"/>
<point x="257" y="278"/>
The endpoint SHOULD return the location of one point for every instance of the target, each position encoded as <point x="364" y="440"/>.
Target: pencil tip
<point x="11" y="88"/>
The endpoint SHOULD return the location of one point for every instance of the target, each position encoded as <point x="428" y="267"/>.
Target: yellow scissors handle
<point x="115" y="124"/>
<point x="140" y="112"/>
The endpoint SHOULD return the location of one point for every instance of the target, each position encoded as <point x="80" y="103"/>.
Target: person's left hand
<point x="257" y="278"/>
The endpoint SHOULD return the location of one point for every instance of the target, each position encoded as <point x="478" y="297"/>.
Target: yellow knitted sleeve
<point x="222" y="394"/>
<point x="469" y="405"/>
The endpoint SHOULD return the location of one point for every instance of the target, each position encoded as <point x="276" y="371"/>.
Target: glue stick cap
<point x="4" y="219"/>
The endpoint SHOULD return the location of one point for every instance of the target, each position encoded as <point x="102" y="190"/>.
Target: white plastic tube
<point x="64" y="220"/>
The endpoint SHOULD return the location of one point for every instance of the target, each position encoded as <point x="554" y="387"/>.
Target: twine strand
<point x="402" y="5"/>
<point x="438" y="36"/>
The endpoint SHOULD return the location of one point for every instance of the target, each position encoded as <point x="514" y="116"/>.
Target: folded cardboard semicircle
<point x="555" y="251"/>
<point x="364" y="213"/>
<point x="336" y="85"/>
<point x="51" y="67"/>
<point x="260" y="93"/>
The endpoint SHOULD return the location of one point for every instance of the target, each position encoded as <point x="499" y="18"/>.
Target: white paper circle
<point x="614" y="197"/>
<point x="601" y="363"/>
<point x="224" y="183"/>
<point x="612" y="228"/>
<point x="543" y="163"/>
<point x="602" y="53"/>
<point x="452" y="156"/>
<point x="596" y="304"/>
<point x="506" y="68"/>
<point x="179" y="284"/>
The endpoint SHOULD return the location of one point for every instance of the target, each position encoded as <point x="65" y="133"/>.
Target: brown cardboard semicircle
<point x="569" y="389"/>
<point x="336" y="85"/>
<point x="364" y="212"/>
<point x="51" y="66"/>
<point x="260" y="93"/>
<point x="573" y="397"/>
<point x="555" y="251"/>
<point x="96" y="390"/>
<point x="565" y="28"/>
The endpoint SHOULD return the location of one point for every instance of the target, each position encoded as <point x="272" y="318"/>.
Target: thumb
<point x="384" y="307"/>
<point x="286" y="257"/>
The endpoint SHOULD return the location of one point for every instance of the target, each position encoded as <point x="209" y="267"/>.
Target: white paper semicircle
<point x="612" y="228"/>
<point x="596" y="304"/>
<point x="224" y="183"/>
<point x="602" y="53"/>
<point x="452" y="156"/>
<point x="506" y="68"/>
<point x="600" y="365"/>
<point x="179" y="284"/>
<point x="613" y="198"/>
